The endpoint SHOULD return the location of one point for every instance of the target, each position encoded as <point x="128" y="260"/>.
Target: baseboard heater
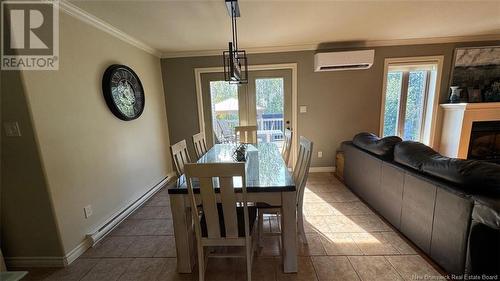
<point x="124" y="213"/>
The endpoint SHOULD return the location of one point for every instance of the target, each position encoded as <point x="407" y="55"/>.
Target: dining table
<point x="268" y="180"/>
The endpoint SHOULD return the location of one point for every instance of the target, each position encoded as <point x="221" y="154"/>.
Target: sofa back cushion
<point x="477" y="177"/>
<point x="412" y="154"/>
<point x="382" y="147"/>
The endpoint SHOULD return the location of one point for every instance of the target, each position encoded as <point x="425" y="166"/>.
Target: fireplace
<point x="485" y="141"/>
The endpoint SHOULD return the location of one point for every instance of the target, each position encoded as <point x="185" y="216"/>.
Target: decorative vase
<point x="455" y="94"/>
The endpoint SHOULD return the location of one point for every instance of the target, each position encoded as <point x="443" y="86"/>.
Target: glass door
<point x="270" y="103"/>
<point x="266" y="101"/>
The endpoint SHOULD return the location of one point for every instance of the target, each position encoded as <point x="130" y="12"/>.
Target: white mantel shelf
<point x="457" y="125"/>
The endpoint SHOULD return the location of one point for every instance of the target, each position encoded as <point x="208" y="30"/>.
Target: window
<point x="410" y="99"/>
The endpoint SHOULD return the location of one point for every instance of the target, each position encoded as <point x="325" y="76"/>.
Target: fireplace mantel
<point x="457" y="125"/>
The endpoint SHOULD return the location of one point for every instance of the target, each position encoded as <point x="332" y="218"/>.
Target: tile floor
<point x="347" y="241"/>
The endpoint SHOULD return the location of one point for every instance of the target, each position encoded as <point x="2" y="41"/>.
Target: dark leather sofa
<point x="449" y="208"/>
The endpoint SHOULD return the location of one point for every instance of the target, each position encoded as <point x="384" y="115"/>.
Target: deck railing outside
<point x="269" y="129"/>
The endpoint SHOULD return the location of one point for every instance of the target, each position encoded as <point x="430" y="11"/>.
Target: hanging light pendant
<point x="235" y="60"/>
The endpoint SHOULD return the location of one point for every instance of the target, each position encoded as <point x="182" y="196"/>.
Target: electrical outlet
<point x="320" y="154"/>
<point x="12" y="129"/>
<point x="88" y="211"/>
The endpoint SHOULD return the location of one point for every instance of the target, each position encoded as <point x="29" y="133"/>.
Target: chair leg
<point x="260" y="227"/>
<point x="201" y="263"/>
<point x="300" y="224"/>
<point x="249" y="253"/>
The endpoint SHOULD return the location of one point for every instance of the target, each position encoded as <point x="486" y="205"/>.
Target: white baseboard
<point x="100" y="232"/>
<point x="329" y="169"/>
<point x="90" y="239"/>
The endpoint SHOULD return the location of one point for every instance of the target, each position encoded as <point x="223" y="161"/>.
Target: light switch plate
<point x="303" y="109"/>
<point x="12" y="129"/>
<point x="88" y="211"/>
<point x="320" y="154"/>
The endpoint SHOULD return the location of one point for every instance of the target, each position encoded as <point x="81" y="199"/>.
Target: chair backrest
<point x="301" y="170"/>
<point x="180" y="155"/>
<point x="287" y="145"/>
<point x="246" y="134"/>
<point x="207" y="175"/>
<point x="200" y="145"/>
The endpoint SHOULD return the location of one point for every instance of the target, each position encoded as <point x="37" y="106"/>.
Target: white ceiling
<point x="192" y="26"/>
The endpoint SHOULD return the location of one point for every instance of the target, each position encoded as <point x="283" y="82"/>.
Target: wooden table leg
<point x="181" y="216"/>
<point x="289" y="231"/>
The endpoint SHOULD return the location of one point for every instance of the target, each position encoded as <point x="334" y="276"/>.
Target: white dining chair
<point x="246" y="134"/>
<point x="180" y="155"/>
<point x="300" y="173"/>
<point x="200" y="144"/>
<point x="228" y="223"/>
<point x="287" y="145"/>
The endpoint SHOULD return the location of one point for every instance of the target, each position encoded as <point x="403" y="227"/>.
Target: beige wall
<point x="340" y="104"/>
<point x="89" y="156"/>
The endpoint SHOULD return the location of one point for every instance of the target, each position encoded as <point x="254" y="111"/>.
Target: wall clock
<point x="123" y="92"/>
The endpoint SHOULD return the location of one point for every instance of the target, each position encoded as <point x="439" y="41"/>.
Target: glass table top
<point x="265" y="169"/>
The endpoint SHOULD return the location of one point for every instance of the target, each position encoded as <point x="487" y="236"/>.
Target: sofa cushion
<point x="477" y="177"/>
<point x="383" y="147"/>
<point x="412" y="154"/>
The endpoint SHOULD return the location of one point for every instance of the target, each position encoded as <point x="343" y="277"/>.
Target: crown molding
<point x="357" y="44"/>
<point x="90" y="19"/>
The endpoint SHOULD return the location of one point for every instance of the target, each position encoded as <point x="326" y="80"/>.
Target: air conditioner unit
<point x="350" y="60"/>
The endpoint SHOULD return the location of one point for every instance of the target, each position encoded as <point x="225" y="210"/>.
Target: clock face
<point x="123" y="92"/>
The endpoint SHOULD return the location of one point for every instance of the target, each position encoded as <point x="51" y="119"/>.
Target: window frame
<point x="431" y="97"/>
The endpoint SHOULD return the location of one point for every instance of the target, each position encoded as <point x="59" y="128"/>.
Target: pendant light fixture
<point x="235" y="60"/>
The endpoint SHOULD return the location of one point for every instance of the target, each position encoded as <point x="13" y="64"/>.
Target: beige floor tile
<point x="312" y="197"/>
<point x="112" y="246"/>
<point x="158" y="200"/>
<point x="143" y="246"/>
<point x="336" y="222"/>
<point x="108" y="269"/>
<point x="313" y="247"/>
<point x="143" y="269"/>
<point x="334" y="269"/>
<point x="263" y="269"/>
<point x="336" y="244"/>
<point x="75" y="271"/>
<point x="369" y="223"/>
<point x="169" y="272"/>
<point x="305" y="271"/>
<point x="270" y="246"/>
<point x="318" y="209"/>
<point x="37" y="273"/>
<point x="343" y="224"/>
<point x="339" y="196"/>
<point x="166" y="247"/>
<point x="374" y="268"/>
<point x="126" y="228"/>
<point x="350" y="208"/>
<point x="414" y="268"/>
<point x="399" y="243"/>
<point x="319" y="188"/>
<point x="224" y="269"/>
<point x="374" y="244"/>
<point x="152" y="212"/>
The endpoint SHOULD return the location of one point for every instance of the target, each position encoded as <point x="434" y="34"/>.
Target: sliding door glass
<point x="270" y="99"/>
<point x="225" y="110"/>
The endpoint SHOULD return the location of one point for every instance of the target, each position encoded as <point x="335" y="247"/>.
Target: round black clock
<point x="123" y="92"/>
